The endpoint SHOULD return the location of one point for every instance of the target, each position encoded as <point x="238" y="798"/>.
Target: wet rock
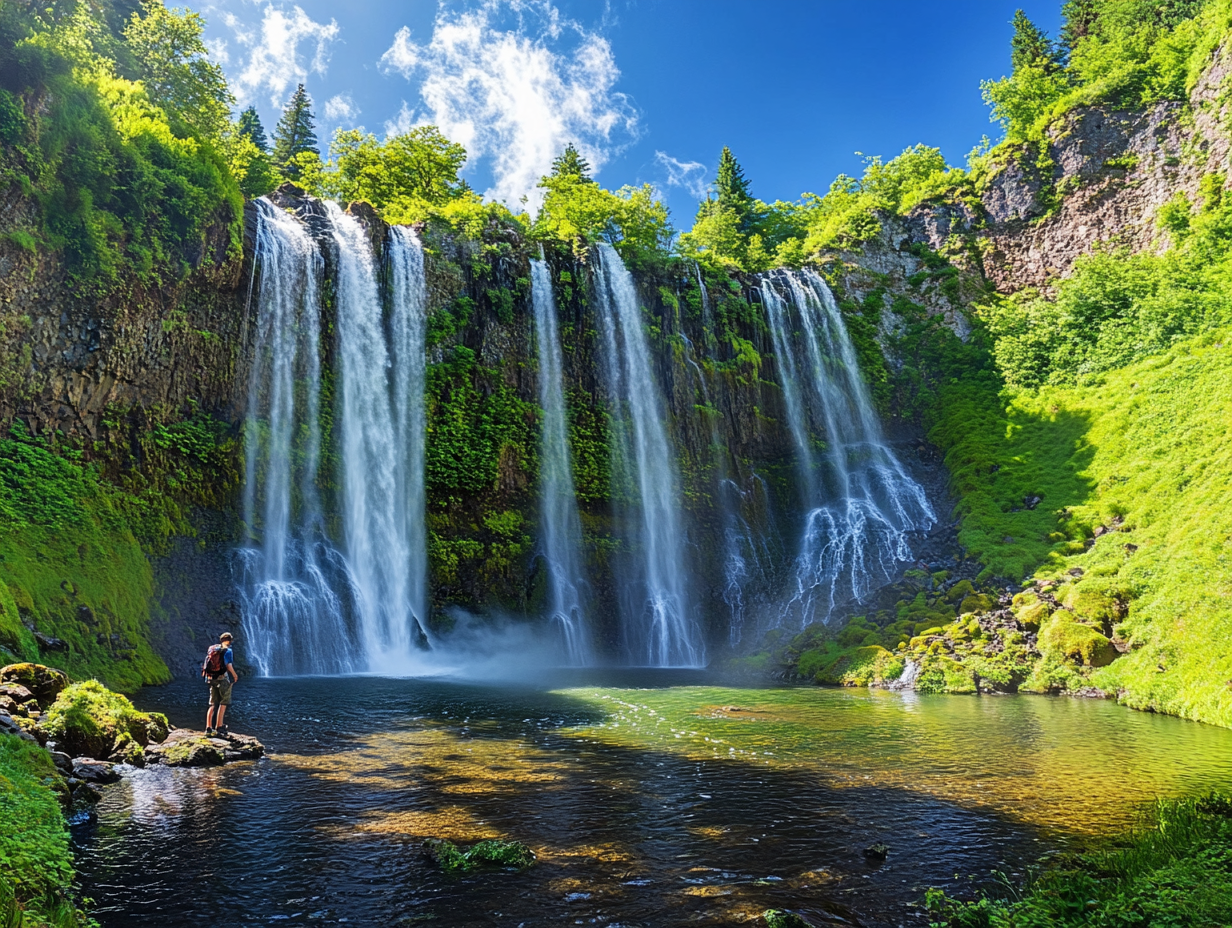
<point x="63" y="762"/>
<point x="1030" y="502"/>
<point x="876" y="851"/>
<point x="184" y="747"/>
<point x="94" y="771"/>
<point x="9" y="726"/>
<point x="43" y="683"/>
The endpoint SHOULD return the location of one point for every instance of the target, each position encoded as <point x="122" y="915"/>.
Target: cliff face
<point x="1097" y="181"/>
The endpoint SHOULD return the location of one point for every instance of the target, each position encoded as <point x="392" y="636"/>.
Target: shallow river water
<point x="650" y="798"/>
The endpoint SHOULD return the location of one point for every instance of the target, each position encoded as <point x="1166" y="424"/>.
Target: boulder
<point x="94" y="771"/>
<point x="184" y="747"/>
<point x="781" y="918"/>
<point x="44" y="683"/>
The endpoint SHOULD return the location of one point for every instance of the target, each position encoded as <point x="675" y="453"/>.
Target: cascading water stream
<point x="380" y="396"/>
<point x="659" y="628"/>
<point x="857" y="529"/>
<point x="293" y="620"/>
<point x="311" y="606"/>
<point x="559" y="521"/>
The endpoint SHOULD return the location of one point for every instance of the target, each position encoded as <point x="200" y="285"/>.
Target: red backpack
<point x="214" y="665"/>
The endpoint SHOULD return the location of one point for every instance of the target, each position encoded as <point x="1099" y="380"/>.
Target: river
<point x="650" y="798"/>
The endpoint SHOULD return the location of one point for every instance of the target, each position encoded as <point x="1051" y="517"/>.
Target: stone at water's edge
<point x="94" y="771"/>
<point x="184" y="747"/>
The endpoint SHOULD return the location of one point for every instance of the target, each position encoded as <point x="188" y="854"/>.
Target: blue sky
<point x="650" y="90"/>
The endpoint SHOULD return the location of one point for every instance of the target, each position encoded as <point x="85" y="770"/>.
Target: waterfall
<point x="375" y="411"/>
<point x="559" y="522"/>
<point x="863" y="504"/>
<point x="292" y="618"/>
<point x="310" y="605"/>
<point x="659" y="629"/>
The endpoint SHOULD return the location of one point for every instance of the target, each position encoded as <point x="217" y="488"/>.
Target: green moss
<point x="492" y="852"/>
<point x="1070" y="640"/>
<point x="88" y="719"/>
<point x="36" y="868"/>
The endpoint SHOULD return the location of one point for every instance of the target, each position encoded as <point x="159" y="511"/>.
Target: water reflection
<point x="647" y="805"/>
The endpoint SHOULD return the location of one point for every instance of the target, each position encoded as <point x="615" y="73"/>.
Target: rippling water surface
<point x="650" y="799"/>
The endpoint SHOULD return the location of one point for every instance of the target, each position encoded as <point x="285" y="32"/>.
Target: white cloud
<point x="402" y="123"/>
<point x="516" y="96"/>
<point x="341" y="108"/>
<point x="275" y="64"/>
<point x="691" y="175"/>
<point x="218" y="51"/>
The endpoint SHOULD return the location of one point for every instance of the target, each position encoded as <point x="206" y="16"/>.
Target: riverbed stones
<point x="184" y="747"/>
<point x="90" y="770"/>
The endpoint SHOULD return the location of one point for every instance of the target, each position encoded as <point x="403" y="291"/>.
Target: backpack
<point x="214" y="665"/>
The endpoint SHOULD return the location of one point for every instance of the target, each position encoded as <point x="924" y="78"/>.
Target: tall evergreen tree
<point x="731" y="187"/>
<point x="295" y="134"/>
<point x="1031" y="46"/>
<point x="570" y="163"/>
<point x="250" y="127"/>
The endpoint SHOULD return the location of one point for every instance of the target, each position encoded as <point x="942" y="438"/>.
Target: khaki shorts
<point x="220" y="691"/>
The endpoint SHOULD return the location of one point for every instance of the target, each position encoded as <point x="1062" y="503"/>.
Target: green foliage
<point x="1174" y="870"/>
<point x="1118" y="308"/>
<point x="174" y="65"/>
<point x="89" y="718"/>
<point x="405" y="176"/>
<point x="578" y="212"/>
<point x="295" y="136"/>
<point x="129" y="183"/>
<point x="36" y="868"/>
<point x="477" y="427"/>
<point x="570" y="163"/>
<point x="1123" y="52"/>
<point x="493" y="852"/>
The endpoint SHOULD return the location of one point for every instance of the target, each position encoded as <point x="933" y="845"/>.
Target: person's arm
<point x="235" y="677"/>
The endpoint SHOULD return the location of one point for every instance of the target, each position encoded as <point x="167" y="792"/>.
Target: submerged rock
<point x="876" y="851"/>
<point x="184" y="747"/>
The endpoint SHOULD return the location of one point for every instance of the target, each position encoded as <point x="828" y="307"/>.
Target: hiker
<point x="220" y="674"/>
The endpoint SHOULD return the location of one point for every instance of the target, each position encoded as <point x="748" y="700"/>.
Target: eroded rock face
<point x="1099" y="180"/>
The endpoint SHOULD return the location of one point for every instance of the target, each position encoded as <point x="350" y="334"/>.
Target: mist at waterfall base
<point x="349" y="593"/>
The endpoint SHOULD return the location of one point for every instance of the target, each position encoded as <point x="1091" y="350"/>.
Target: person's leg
<point x="222" y="712"/>
<point x="209" y="713"/>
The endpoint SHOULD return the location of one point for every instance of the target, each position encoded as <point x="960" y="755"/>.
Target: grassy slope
<point x="1148" y="444"/>
<point x="35" y="864"/>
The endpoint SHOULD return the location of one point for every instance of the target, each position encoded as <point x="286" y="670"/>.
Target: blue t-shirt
<point x="226" y="657"/>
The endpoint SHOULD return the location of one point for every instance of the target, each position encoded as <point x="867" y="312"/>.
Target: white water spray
<point x="559" y="522"/>
<point x="659" y="628"/>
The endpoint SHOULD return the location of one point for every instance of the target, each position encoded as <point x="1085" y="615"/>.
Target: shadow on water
<point x="656" y="803"/>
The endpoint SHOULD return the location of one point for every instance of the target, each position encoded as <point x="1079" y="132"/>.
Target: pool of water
<point x="650" y="799"/>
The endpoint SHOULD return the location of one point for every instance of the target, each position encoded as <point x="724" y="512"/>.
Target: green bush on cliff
<point x="36" y="869"/>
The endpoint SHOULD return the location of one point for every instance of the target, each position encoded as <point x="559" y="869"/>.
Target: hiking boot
<point x="210" y="733"/>
<point x="223" y="731"/>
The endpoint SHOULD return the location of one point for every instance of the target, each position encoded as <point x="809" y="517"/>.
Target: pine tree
<point x="295" y="134"/>
<point x="1031" y="46"/>
<point x="570" y="163"/>
<point x="250" y="127"/>
<point x="730" y="185"/>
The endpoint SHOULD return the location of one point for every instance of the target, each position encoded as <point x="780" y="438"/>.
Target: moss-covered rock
<point x="1068" y="639"/>
<point x="493" y="852"/>
<point x="44" y="683"/>
<point x="88" y="720"/>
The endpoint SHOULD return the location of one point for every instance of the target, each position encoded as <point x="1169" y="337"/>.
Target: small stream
<point x="651" y="798"/>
